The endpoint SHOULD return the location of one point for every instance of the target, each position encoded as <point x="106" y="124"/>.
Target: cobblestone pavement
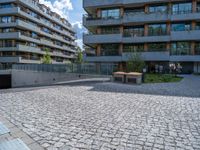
<point x="109" y="116"/>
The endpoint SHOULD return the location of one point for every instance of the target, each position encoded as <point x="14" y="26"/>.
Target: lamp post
<point x="144" y="70"/>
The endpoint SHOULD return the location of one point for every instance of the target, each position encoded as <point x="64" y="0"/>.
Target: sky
<point x="71" y="10"/>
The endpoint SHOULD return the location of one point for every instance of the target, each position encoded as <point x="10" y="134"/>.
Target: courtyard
<point x="108" y="116"/>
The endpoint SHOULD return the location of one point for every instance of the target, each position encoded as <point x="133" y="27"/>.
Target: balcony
<point x="149" y="56"/>
<point x="185" y="16"/>
<point x="90" y="21"/>
<point x="142" y="17"/>
<point x="142" y="39"/>
<point x="9" y="11"/>
<point x="101" y="3"/>
<point x="102" y="38"/>
<point x="10" y="59"/>
<point x="185" y="58"/>
<point x="103" y="59"/>
<point x="185" y="35"/>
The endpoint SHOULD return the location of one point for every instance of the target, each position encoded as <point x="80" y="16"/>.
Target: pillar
<point x="145" y="47"/>
<point x="98" y="30"/>
<point x="98" y="13"/>
<point x="121" y="12"/>
<point x="120" y="66"/>
<point x="193" y="25"/>
<point x="194" y="6"/>
<point x="168" y="47"/>
<point x="168" y="28"/>
<point x="121" y="29"/>
<point x="193" y="48"/>
<point x="146" y="30"/>
<point x="146" y="9"/>
<point x="98" y="50"/>
<point x="120" y="49"/>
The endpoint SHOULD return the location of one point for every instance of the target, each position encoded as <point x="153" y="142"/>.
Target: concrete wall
<point x="21" y="78"/>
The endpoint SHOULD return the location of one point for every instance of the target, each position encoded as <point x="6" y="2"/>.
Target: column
<point x="192" y="48"/>
<point x="121" y="11"/>
<point x="146" y="9"/>
<point x="98" y="50"/>
<point x="98" y="31"/>
<point x="120" y="49"/>
<point x="193" y="25"/>
<point x="98" y="13"/>
<point x="146" y="30"/>
<point x="145" y="47"/>
<point x="194" y="6"/>
<point x="168" y="28"/>
<point x="168" y="47"/>
<point x="121" y="29"/>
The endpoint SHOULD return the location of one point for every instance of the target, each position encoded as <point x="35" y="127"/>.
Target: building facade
<point x="162" y="31"/>
<point x="28" y="30"/>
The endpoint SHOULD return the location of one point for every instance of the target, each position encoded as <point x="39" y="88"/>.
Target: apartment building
<point x="162" y="31"/>
<point x="28" y="29"/>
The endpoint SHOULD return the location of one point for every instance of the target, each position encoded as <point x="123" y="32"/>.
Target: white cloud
<point x="77" y="24"/>
<point x="80" y="43"/>
<point x="61" y="7"/>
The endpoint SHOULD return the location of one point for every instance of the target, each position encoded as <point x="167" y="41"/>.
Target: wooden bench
<point x="133" y="78"/>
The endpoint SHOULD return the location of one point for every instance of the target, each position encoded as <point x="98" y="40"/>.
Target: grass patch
<point x="161" y="78"/>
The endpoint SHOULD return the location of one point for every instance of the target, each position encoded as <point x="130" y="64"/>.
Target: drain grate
<point x="15" y="144"/>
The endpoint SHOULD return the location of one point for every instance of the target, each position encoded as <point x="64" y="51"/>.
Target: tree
<point x="135" y="63"/>
<point x="79" y="56"/>
<point x="46" y="58"/>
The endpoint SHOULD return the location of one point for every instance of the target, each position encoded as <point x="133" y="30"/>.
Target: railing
<point x="105" y="69"/>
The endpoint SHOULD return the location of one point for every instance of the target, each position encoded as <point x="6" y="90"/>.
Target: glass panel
<point x="155" y="9"/>
<point x="181" y="27"/>
<point x="110" y="30"/>
<point x="134" y="31"/>
<point x="180" y="48"/>
<point x="134" y="48"/>
<point x="109" y="50"/>
<point x="110" y="14"/>
<point x="182" y="8"/>
<point x="157" y="29"/>
<point x="157" y="47"/>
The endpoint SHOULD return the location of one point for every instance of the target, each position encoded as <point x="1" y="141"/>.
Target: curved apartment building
<point x="163" y="31"/>
<point x="28" y="29"/>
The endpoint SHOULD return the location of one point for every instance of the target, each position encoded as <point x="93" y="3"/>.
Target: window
<point x="157" y="29"/>
<point x="134" y="31"/>
<point x="110" y="30"/>
<point x="109" y="50"/>
<point x="134" y="48"/>
<point x="156" y="9"/>
<point x="7" y="5"/>
<point x="133" y="11"/>
<point x="197" y="49"/>
<point x="180" y="48"/>
<point x="6" y="19"/>
<point x="198" y="7"/>
<point x="181" y="8"/>
<point x="180" y="26"/>
<point x="8" y="43"/>
<point x="157" y="47"/>
<point x="198" y="26"/>
<point x="110" y="13"/>
<point x="6" y="30"/>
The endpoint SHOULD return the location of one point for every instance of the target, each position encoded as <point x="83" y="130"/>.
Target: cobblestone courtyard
<point x="108" y="115"/>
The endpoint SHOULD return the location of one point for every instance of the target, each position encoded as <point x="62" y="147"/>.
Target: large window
<point x="5" y="19"/>
<point x="109" y="49"/>
<point x="110" y="30"/>
<point x="180" y="48"/>
<point x="110" y="13"/>
<point x="133" y="11"/>
<point x="134" y="48"/>
<point x="157" y="47"/>
<point x="6" y="5"/>
<point x="7" y="43"/>
<point x="181" y="8"/>
<point x="181" y="26"/>
<point x="157" y="29"/>
<point x="134" y="31"/>
<point x="6" y="30"/>
<point x="197" y="48"/>
<point x="158" y="9"/>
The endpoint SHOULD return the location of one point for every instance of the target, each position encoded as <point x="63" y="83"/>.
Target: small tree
<point x="135" y="63"/>
<point x="79" y="56"/>
<point x="46" y="58"/>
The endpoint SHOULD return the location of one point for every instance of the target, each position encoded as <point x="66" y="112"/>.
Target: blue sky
<point x="71" y="10"/>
